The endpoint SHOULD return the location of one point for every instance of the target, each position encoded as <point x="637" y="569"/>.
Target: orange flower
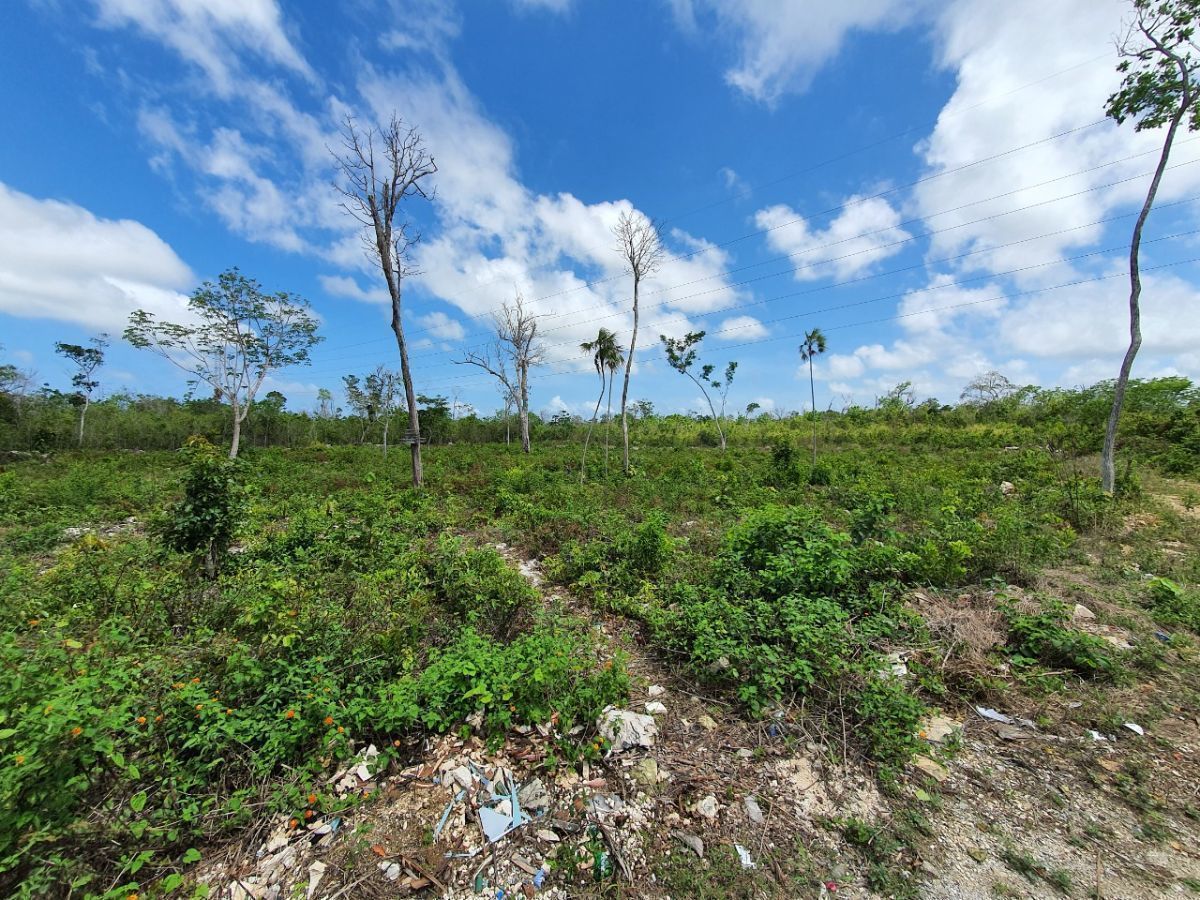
<point x="20" y="760"/>
<point x="329" y="720"/>
<point x="308" y="814"/>
<point x="76" y="731"/>
<point x="195" y="681"/>
<point x="293" y="823"/>
<point x="141" y="720"/>
<point x="178" y="685"/>
<point x="132" y="897"/>
<point x="229" y="712"/>
<point x="312" y="798"/>
<point x="340" y="729"/>
<point x="158" y="718"/>
<point x="290" y="714"/>
<point x="33" y="623"/>
<point x="199" y="706"/>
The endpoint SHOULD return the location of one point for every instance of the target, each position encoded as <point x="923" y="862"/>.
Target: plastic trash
<point x="744" y="856"/>
<point x="989" y="713"/>
<point x="624" y="728"/>
<point x="1135" y="728"/>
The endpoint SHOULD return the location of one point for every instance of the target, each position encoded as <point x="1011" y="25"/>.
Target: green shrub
<point x="1043" y="637"/>
<point x="202" y="524"/>
<point x="1172" y="604"/>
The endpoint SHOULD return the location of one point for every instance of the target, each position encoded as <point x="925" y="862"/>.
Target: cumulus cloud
<point x="210" y="34"/>
<point x="348" y="287"/>
<point x="60" y="261"/>
<point x="442" y="326"/>
<point x="782" y="43"/>
<point x="989" y="48"/>
<point x="741" y="328"/>
<point x="865" y="231"/>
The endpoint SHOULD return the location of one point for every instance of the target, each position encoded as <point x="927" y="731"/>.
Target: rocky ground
<point x="1010" y="800"/>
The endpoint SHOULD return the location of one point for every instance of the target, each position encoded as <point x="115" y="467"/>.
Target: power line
<point x="829" y="211"/>
<point x="911" y="238"/>
<point x="931" y="289"/>
<point x="829" y="161"/>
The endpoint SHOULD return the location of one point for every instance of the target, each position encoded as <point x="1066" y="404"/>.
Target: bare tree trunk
<point x="237" y="430"/>
<point x="410" y="396"/>
<point x="588" y="436"/>
<point x="812" y="390"/>
<point x="386" y="424"/>
<point x="83" y="416"/>
<point x="1108" y="469"/>
<point x="523" y="376"/>
<point x="608" y="420"/>
<point x="625" y="385"/>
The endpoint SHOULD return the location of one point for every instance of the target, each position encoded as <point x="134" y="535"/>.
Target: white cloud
<point x="60" y="261"/>
<point x="442" y="326"/>
<point x="865" y="231"/>
<point x="345" y="286"/>
<point x="782" y="43"/>
<point x="555" y="6"/>
<point x="211" y="33"/>
<point x="496" y="237"/>
<point x="990" y="47"/>
<point x="741" y="328"/>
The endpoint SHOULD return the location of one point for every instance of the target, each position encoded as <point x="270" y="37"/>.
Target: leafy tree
<point x="375" y="188"/>
<point x="681" y="355"/>
<point x="374" y="399"/>
<point x="607" y="356"/>
<point x="813" y="346"/>
<point x="1159" y="62"/>
<point x="236" y="337"/>
<point x="88" y="361"/>
<point x="990" y="387"/>
<point x="641" y="251"/>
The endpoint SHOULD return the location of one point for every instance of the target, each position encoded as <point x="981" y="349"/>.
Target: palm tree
<point x="607" y="355"/>
<point x="814" y="345"/>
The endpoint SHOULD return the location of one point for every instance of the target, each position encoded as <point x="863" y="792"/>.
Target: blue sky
<point x="928" y="182"/>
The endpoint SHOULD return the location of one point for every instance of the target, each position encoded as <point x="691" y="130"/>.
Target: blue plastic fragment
<point x="540" y="878"/>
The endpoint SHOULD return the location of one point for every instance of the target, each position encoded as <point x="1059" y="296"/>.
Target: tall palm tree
<point x="607" y="356"/>
<point x="814" y="345"/>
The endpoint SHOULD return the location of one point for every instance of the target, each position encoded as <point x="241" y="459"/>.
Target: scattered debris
<point x="655" y="708"/>
<point x="989" y="713"/>
<point x="753" y="810"/>
<point x="1135" y="728"/>
<point x="656" y="690"/>
<point x="895" y="667"/>
<point x="707" y="807"/>
<point x="932" y="768"/>
<point x="936" y="729"/>
<point x="624" y="729"/>
<point x="691" y="841"/>
<point x="744" y="856"/>
<point x="707" y="723"/>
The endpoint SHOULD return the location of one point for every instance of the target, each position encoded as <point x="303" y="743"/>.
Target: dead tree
<point x="642" y="253"/>
<point x="381" y="167"/>
<point x="516" y="344"/>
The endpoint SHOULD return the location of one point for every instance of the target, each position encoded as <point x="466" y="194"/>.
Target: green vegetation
<point x="188" y="641"/>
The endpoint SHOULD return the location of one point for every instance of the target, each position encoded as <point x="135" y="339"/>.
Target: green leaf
<point x="172" y="882"/>
<point x="191" y="855"/>
<point x="6" y="733"/>
<point x="72" y="644"/>
<point x="138" y="801"/>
